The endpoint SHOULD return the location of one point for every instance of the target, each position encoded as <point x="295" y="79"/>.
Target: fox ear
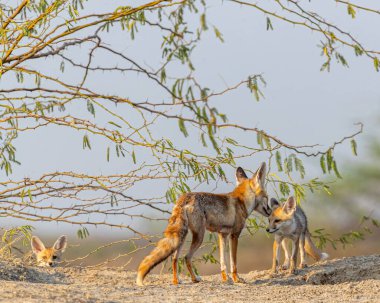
<point x="290" y="205"/>
<point x="37" y="245"/>
<point x="260" y="174"/>
<point x="273" y="203"/>
<point x="60" y="244"/>
<point x="240" y="175"/>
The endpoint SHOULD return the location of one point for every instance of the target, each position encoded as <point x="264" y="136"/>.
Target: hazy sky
<point x="302" y="105"/>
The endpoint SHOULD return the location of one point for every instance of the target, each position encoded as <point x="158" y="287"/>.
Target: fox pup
<point x="48" y="256"/>
<point x="222" y="213"/>
<point x="288" y="221"/>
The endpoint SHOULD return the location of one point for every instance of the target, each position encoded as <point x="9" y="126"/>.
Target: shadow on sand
<point x="30" y="274"/>
<point x="353" y="269"/>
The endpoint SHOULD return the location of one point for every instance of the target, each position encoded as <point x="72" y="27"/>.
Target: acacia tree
<point x="45" y="83"/>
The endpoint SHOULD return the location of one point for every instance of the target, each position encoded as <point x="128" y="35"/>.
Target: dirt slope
<point x="355" y="279"/>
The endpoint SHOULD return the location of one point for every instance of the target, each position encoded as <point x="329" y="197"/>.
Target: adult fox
<point x="222" y="213"/>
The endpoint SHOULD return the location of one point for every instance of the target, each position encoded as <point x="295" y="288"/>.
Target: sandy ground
<point x="354" y="279"/>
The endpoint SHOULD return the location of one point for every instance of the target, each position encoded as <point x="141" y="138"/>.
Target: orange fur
<point x="48" y="256"/>
<point x="222" y="213"/>
<point x="311" y="249"/>
<point x="175" y="234"/>
<point x="224" y="276"/>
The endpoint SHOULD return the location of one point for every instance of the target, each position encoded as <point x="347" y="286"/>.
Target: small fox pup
<point x="288" y="221"/>
<point x="222" y="213"/>
<point x="48" y="256"/>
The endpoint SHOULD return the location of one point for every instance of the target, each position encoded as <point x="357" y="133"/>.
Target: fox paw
<point x="304" y="265"/>
<point x="177" y="281"/>
<point x="273" y="273"/>
<point x="226" y="278"/>
<point x="237" y="279"/>
<point x="285" y="267"/>
<point x="196" y="279"/>
<point x="292" y="272"/>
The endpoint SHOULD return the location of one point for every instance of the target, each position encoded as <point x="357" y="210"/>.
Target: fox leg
<point x="293" y="260"/>
<point x="276" y="253"/>
<point x="195" y="244"/>
<point x="175" y="265"/>
<point x="285" y="247"/>
<point x="222" y="250"/>
<point x="302" y="251"/>
<point x="233" y="258"/>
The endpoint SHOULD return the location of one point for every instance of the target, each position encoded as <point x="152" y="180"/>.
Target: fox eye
<point x="277" y="220"/>
<point x="55" y="257"/>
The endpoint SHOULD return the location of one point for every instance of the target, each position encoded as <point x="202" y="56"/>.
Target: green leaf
<point x="204" y="143"/>
<point x="329" y="159"/>
<point x="341" y="59"/>
<point x="83" y="233"/>
<point x="267" y="141"/>
<point x="114" y="124"/>
<point x="182" y="127"/>
<point x="358" y="50"/>
<point x="335" y="168"/>
<point x="37" y="80"/>
<point x="278" y="161"/>
<point x="163" y="75"/>
<point x="259" y="138"/>
<point x="212" y="139"/>
<point x="351" y="11"/>
<point x="254" y="87"/>
<point x="134" y="157"/>
<point x="354" y="147"/>
<point x="269" y="24"/>
<point x="299" y="167"/>
<point x="86" y="142"/>
<point x="218" y="34"/>
<point x="323" y="163"/>
<point x="375" y="222"/>
<point x="376" y="63"/>
<point x="90" y="107"/>
<point x="30" y="195"/>
<point x="101" y="184"/>
<point x="327" y="190"/>
<point x="203" y="22"/>
<point x="231" y="141"/>
<point x="284" y="189"/>
<point x="288" y="164"/>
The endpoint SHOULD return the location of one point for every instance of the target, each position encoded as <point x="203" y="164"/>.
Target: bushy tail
<point x="312" y="250"/>
<point x="175" y="234"/>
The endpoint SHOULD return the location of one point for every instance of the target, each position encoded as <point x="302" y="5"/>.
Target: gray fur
<point x="288" y="221"/>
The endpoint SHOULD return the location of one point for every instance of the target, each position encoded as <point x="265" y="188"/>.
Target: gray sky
<point x="302" y="105"/>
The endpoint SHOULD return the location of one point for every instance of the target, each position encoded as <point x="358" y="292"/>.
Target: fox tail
<point x="312" y="250"/>
<point x="174" y="236"/>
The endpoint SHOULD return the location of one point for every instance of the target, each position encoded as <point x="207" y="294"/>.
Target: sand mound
<point x="354" y="279"/>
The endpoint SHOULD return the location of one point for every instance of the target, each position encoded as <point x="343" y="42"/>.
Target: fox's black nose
<point x="267" y="230"/>
<point x="50" y="263"/>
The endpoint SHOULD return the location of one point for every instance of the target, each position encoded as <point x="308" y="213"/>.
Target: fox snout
<point x="271" y="230"/>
